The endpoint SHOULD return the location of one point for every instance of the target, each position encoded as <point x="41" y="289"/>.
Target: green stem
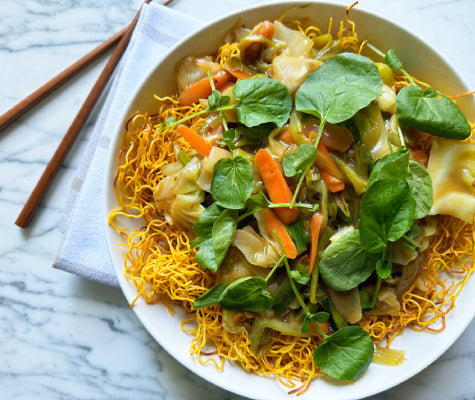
<point x="376" y="291"/>
<point x="315" y="144"/>
<point x="277" y="265"/>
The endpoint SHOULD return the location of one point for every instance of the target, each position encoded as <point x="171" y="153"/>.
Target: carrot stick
<point x="324" y="326"/>
<point x="275" y="226"/>
<point x="286" y="137"/>
<point x="276" y="186"/>
<point x="202" y="88"/>
<point x="195" y="140"/>
<point x="265" y="29"/>
<point x="315" y="228"/>
<point x="328" y="169"/>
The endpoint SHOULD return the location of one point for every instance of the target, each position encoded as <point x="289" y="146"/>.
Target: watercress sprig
<point x="426" y="110"/>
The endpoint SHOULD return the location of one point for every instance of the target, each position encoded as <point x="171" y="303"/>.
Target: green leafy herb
<point x="233" y="182"/>
<point x="387" y="212"/>
<point x="392" y="60"/>
<point x="345" y="263"/>
<point x="258" y="132"/>
<point x="228" y="138"/>
<point x="299" y="235"/>
<point x="262" y="100"/>
<point x="339" y="88"/>
<point x="214" y="230"/>
<point x="223" y="232"/>
<point x="249" y="293"/>
<point x="320" y="317"/>
<point x="421" y="186"/>
<point x="210" y="297"/>
<point x="346" y="354"/>
<point x="298" y="161"/>
<point x="391" y="166"/>
<point x="431" y="112"/>
<point x="301" y="278"/>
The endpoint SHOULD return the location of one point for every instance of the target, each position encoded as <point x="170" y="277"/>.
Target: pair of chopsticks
<point x="120" y="40"/>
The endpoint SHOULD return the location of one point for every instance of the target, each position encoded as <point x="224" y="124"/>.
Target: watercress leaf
<point x="205" y="256"/>
<point x="223" y="232"/>
<point x="391" y="166"/>
<point x="298" y="161"/>
<point x="258" y="132"/>
<point x="431" y="112"/>
<point x="319" y="317"/>
<point x="228" y="138"/>
<point x="204" y="224"/>
<point x="346" y="354"/>
<point x="387" y="212"/>
<point x="257" y="202"/>
<point x="421" y="187"/>
<point x="299" y="235"/>
<point x="262" y="100"/>
<point x="213" y="100"/>
<point x="248" y="293"/>
<point x="232" y="183"/>
<point x="345" y="263"/>
<point x="210" y="297"/>
<point x="392" y="60"/>
<point x="300" y="277"/>
<point x="339" y="88"/>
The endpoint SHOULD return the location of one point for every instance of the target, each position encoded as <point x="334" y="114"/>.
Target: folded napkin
<point x="84" y="249"/>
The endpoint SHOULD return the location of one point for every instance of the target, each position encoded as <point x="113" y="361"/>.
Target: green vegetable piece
<point x="431" y="112"/>
<point x="262" y="100"/>
<point x="320" y="317"/>
<point x="346" y="354"/>
<point x="214" y="230"/>
<point x="384" y="269"/>
<point x="233" y="182"/>
<point x="258" y="132"/>
<point x="215" y="100"/>
<point x="299" y="235"/>
<point x="392" y="166"/>
<point x="298" y="161"/>
<point x="228" y="138"/>
<point x="249" y="293"/>
<point x="345" y="264"/>
<point x="339" y="88"/>
<point x="392" y="60"/>
<point x="421" y="187"/>
<point x="223" y="232"/>
<point x="211" y="297"/>
<point x="387" y="212"/>
<point x="203" y="227"/>
<point x="300" y="277"/>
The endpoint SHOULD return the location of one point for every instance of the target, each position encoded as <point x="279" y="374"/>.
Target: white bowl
<point x="421" y="348"/>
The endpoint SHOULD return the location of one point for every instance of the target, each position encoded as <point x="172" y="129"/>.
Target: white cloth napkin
<point x="84" y="249"/>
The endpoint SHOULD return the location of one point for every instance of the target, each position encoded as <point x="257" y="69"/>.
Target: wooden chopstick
<point x="49" y="87"/>
<point x="66" y="143"/>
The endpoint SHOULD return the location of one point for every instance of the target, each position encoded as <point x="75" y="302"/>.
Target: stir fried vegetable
<point x="301" y="183"/>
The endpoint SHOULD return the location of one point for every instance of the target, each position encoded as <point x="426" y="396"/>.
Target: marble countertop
<point x="62" y="336"/>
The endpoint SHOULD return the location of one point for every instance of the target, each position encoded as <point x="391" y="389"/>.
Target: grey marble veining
<point x="62" y="337"/>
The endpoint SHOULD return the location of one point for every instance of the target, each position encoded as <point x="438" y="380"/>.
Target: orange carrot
<point x="195" y="140"/>
<point x="324" y="326"/>
<point x="286" y="137"/>
<point x="328" y="169"/>
<point x="315" y="228"/>
<point x="265" y="29"/>
<point x="202" y="88"/>
<point x="276" y="227"/>
<point x="276" y="186"/>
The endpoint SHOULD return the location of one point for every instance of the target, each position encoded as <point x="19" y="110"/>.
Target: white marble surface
<point x="64" y="337"/>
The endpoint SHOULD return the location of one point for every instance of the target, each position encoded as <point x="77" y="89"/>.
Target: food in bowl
<point x="303" y="202"/>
